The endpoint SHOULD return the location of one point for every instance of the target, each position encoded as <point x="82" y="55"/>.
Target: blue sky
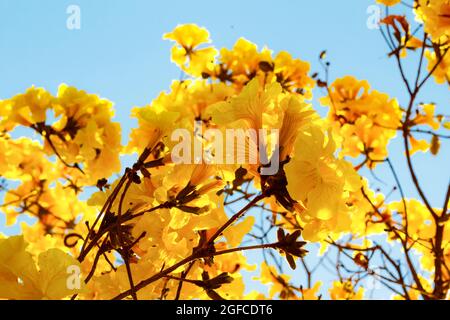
<point x="119" y="54"/>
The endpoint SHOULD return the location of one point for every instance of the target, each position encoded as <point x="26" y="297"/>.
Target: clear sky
<point x="119" y="53"/>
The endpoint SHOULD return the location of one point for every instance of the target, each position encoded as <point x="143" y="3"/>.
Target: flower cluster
<point x="168" y="229"/>
<point x="82" y="135"/>
<point x="365" y="120"/>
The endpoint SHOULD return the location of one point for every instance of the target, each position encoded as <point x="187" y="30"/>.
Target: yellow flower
<point x="243" y="60"/>
<point x="311" y="293"/>
<point x="425" y="116"/>
<point x="296" y="114"/>
<point x="388" y="2"/>
<point x="436" y="17"/>
<point x="278" y="283"/>
<point x="25" y="109"/>
<point x="255" y="108"/>
<point x="187" y="55"/>
<point x="292" y="74"/>
<point x="412" y="43"/>
<point x="22" y="279"/>
<point x="345" y="291"/>
<point x="188" y="35"/>
<point x="346" y="90"/>
<point x="316" y="177"/>
<point x="418" y="145"/>
<point x="201" y="173"/>
<point x="441" y="74"/>
<point x="250" y="107"/>
<point x="236" y="233"/>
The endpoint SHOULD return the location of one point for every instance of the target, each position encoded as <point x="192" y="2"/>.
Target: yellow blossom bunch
<point x="435" y="16"/>
<point x="22" y="159"/>
<point x="238" y="65"/>
<point x="82" y="136"/>
<point x="421" y="228"/>
<point x="364" y="120"/>
<point x="171" y="229"/>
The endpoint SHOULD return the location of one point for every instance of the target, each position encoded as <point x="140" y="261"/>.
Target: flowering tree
<point x="176" y="224"/>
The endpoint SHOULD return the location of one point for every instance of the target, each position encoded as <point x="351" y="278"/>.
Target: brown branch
<point x="411" y="267"/>
<point x="192" y="257"/>
<point x="441" y="58"/>
<point x="235" y="217"/>
<point x="184" y="274"/>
